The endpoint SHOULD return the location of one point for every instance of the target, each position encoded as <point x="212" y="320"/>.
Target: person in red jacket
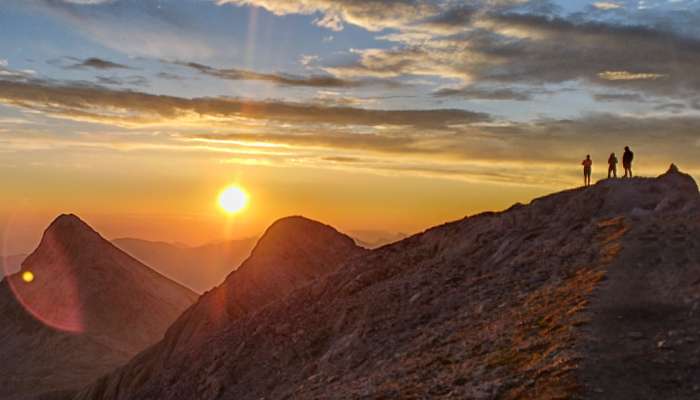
<point x="587" y="167"/>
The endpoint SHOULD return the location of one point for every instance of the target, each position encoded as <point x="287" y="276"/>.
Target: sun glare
<point x="233" y="199"/>
<point x="28" y="276"/>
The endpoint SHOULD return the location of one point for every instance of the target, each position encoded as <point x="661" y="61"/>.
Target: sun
<point x="233" y="199"/>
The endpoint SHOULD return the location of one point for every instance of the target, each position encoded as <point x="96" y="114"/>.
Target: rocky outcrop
<point x="78" y="308"/>
<point x="581" y="294"/>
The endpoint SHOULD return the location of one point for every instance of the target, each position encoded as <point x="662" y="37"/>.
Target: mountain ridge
<point x="509" y="305"/>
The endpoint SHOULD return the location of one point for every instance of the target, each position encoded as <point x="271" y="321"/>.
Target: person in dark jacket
<point x="612" y="166"/>
<point x="587" y="167"/>
<point x="627" y="162"/>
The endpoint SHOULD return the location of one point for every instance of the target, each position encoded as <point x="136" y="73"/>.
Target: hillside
<point x="89" y="308"/>
<point x="200" y="268"/>
<point x="588" y="293"/>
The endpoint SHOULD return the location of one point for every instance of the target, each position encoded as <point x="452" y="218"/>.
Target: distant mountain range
<point x="78" y="308"/>
<point x="200" y="268"/>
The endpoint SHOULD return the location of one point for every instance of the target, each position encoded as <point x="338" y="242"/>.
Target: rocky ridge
<point x="588" y="293"/>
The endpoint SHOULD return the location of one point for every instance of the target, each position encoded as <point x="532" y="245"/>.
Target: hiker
<point x="627" y="162"/>
<point x="587" y="166"/>
<point x="612" y="166"/>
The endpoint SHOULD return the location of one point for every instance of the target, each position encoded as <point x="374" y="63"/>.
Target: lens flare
<point x="233" y="199"/>
<point x="28" y="276"/>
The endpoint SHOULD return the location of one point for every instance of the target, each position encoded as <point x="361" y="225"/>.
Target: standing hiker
<point x="587" y="167"/>
<point x="627" y="162"/>
<point x="612" y="166"/>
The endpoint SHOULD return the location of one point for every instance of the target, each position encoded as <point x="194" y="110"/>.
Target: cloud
<point x="505" y="45"/>
<point x="307" y="60"/>
<point x="674" y="108"/>
<point x="95" y="63"/>
<point x="545" y="151"/>
<point x="332" y="22"/>
<point x="170" y="76"/>
<point x="373" y="15"/>
<point x="611" y="97"/>
<point x="605" y="5"/>
<point x="446" y="143"/>
<point x="99" y="104"/>
<point x="280" y="79"/>
<point x="629" y="76"/>
<point x="481" y="93"/>
<point x="87" y="2"/>
<point x="134" y="80"/>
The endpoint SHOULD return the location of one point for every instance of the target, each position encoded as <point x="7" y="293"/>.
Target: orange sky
<point x="175" y="199"/>
<point x="395" y="119"/>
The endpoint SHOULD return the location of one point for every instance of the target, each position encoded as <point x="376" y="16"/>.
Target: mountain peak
<point x="292" y="252"/>
<point x="88" y="274"/>
<point x="76" y="281"/>
<point x="69" y="226"/>
<point x="68" y="220"/>
<point x="300" y="232"/>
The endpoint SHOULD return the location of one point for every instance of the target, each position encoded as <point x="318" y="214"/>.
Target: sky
<point x="391" y="115"/>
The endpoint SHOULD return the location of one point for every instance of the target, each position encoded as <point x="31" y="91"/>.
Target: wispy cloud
<point x="95" y="63"/>
<point x="318" y="81"/>
<point x="629" y="76"/>
<point x="480" y="93"/>
<point x="606" y="5"/>
<point x="372" y="15"/>
<point x="93" y="103"/>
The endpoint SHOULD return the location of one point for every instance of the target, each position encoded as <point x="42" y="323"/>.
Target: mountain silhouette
<point x="78" y="308"/>
<point x="588" y="293"/>
<point x="200" y="268"/>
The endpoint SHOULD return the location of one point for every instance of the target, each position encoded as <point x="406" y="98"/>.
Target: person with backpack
<point x="627" y="158"/>
<point x="587" y="167"/>
<point x="612" y="166"/>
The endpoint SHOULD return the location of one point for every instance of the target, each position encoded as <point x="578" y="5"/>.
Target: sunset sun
<point x="233" y="199"/>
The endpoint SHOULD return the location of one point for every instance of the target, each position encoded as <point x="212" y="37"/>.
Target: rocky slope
<point x="200" y="268"/>
<point x="78" y="308"/>
<point x="588" y="293"/>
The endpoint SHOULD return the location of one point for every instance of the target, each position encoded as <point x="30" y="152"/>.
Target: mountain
<point x="78" y="308"/>
<point x="589" y="293"/>
<point x="200" y="268"/>
<point x="11" y="264"/>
